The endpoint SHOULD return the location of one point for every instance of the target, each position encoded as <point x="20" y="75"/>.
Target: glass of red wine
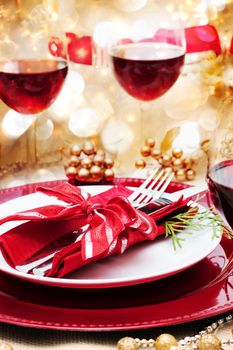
<point x="31" y="77"/>
<point x="220" y="164"/>
<point x="147" y="56"/>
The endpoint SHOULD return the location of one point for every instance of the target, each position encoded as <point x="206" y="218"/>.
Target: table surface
<point x="23" y="338"/>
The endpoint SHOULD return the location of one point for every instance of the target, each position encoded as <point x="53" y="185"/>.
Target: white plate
<point x="144" y="262"/>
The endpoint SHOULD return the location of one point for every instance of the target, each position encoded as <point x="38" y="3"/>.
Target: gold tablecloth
<point x="23" y="338"/>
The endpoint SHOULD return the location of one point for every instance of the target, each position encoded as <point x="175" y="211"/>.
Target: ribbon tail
<point x="105" y="226"/>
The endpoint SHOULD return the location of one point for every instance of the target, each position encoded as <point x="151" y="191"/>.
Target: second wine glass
<point x="148" y="56"/>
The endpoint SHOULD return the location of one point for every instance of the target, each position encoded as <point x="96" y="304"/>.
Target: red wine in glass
<point x="147" y="70"/>
<point x="220" y="183"/>
<point x="30" y="86"/>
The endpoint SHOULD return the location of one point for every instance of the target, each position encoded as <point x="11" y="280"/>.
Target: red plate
<point x="203" y="290"/>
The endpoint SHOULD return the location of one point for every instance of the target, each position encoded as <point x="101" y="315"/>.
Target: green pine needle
<point x="194" y="219"/>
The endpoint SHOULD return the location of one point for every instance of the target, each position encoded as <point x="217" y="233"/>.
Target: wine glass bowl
<point x="220" y="164"/>
<point x="31" y="76"/>
<point x="148" y="61"/>
<point x="30" y="86"/>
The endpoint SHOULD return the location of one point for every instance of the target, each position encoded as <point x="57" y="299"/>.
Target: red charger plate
<point x="201" y="291"/>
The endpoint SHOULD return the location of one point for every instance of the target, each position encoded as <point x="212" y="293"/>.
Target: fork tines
<point x="152" y="188"/>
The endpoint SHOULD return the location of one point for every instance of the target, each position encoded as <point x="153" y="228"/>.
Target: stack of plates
<point x="149" y="285"/>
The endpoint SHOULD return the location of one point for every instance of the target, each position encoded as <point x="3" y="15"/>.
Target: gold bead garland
<point x="182" y="166"/>
<point x="205" y="340"/>
<point x="88" y="164"/>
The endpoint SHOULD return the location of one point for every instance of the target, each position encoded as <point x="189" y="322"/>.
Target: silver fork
<point x="151" y="189"/>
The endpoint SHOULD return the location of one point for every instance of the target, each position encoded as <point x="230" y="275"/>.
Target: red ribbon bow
<point x="109" y="224"/>
<point x="114" y="226"/>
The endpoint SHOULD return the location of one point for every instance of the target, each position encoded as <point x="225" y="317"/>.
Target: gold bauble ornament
<point x="145" y="151"/>
<point x="88" y="148"/>
<point x="108" y="174"/>
<point x="83" y="174"/>
<point x="209" y="342"/>
<point x="75" y="150"/>
<point x="144" y="344"/>
<point x="71" y="172"/>
<point x="166" y="159"/>
<point x="100" y="152"/>
<point x="5" y="346"/>
<point x="150" y="142"/>
<point x="177" y="164"/>
<point x="140" y="163"/>
<point x="127" y="343"/>
<point x="177" y="152"/>
<point x="165" y="342"/>
<point x="96" y="172"/>
<point x="86" y="163"/>
<point x="98" y="160"/>
<point x="151" y="343"/>
<point x="180" y="175"/>
<point x="108" y="163"/>
<point x="187" y="163"/>
<point x="156" y="153"/>
<point x="190" y="174"/>
<point x="74" y="161"/>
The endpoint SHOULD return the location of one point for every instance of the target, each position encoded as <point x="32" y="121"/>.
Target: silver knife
<point x="186" y="193"/>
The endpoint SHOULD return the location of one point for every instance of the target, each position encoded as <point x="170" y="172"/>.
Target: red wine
<point x="30" y="86"/>
<point x="220" y="182"/>
<point x="147" y="70"/>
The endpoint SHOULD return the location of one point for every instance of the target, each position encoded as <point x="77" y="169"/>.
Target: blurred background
<point x="93" y="107"/>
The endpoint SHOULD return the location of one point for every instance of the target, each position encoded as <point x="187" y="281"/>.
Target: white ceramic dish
<point x="145" y="262"/>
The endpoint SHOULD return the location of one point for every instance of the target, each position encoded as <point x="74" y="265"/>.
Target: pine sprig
<point x="194" y="219"/>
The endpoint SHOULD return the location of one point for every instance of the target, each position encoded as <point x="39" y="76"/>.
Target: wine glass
<point x="220" y="164"/>
<point x="30" y="75"/>
<point x="148" y="54"/>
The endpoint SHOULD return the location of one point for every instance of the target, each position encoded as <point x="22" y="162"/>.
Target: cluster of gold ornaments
<point x="88" y="164"/>
<point x="205" y="340"/>
<point x="183" y="167"/>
